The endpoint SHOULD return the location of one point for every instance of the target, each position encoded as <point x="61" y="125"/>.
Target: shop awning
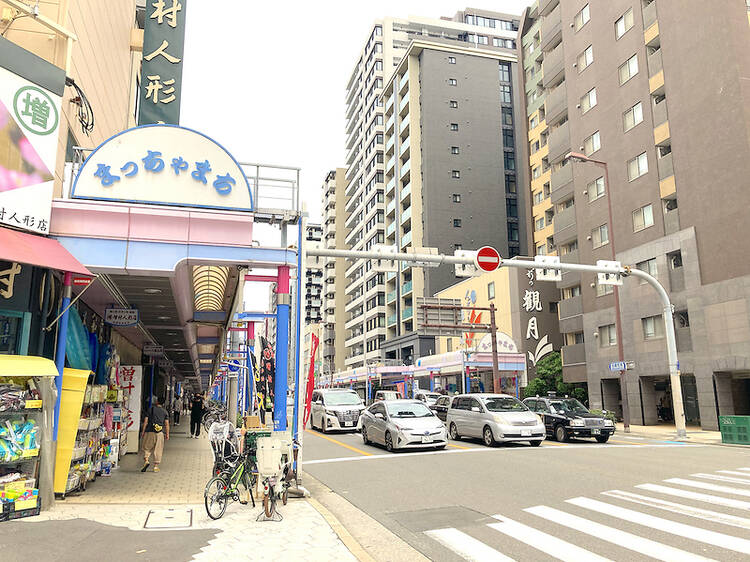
<point x="26" y="366"/>
<point x="37" y="250"/>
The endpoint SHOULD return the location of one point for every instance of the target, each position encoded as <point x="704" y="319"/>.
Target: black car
<point x="440" y="407"/>
<point x="567" y="417"/>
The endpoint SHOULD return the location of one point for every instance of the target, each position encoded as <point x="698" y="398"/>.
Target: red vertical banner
<point x="310" y="381"/>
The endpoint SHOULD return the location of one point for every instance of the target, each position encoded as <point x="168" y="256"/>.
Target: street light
<point x="577" y="156"/>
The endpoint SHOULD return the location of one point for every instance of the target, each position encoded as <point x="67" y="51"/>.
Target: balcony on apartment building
<point x="405" y="193"/>
<point x="553" y="67"/>
<point x="655" y="64"/>
<point x="559" y="142"/>
<point x="406" y="216"/>
<point x="561" y="183"/>
<point x="573" y="354"/>
<point x="571" y="315"/>
<point x="649" y="15"/>
<point x="565" y="226"/>
<point x="546" y="6"/>
<point x="551" y="29"/>
<point x="570" y="278"/>
<point x="556" y="104"/>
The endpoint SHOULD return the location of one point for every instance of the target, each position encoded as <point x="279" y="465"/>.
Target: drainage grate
<point x="169" y="519"/>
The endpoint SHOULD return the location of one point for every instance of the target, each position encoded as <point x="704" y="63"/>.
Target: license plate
<point x="348" y="423"/>
<point x="426" y="439"/>
<point x="525" y="433"/>
<point x="596" y="432"/>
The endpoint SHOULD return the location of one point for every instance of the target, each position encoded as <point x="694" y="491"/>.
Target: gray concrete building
<point x="314" y="281"/>
<point x="658" y="91"/>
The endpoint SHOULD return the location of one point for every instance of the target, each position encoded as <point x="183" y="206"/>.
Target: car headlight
<point x="403" y="428"/>
<point x="609" y="423"/>
<point x="330" y="413"/>
<point x="500" y="419"/>
<point x="539" y="419"/>
<point x="577" y="423"/>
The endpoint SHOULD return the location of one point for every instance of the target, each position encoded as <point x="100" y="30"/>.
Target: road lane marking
<point x="626" y="443"/>
<point x="556" y="443"/>
<point x="459" y="446"/>
<point x="665" y="525"/>
<point x="680" y="508"/>
<point x="721" y="478"/>
<point x="466" y="546"/>
<point x="707" y="486"/>
<point x="567" y="447"/>
<point x="687" y="494"/>
<point x="620" y="538"/>
<point x="557" y="548"/>
<point x="360" y="451"/>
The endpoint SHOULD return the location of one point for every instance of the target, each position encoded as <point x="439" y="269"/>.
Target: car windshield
<point x="389" y="395"/>
<point x="504" y="404"/>
<point x="409" y="411"/>
<point x="569" y="406"/>
<point x="342" y="399"/>
<point x="432" y="396"/>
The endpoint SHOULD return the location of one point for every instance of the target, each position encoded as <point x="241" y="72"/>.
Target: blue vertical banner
<point x="161" y="71"/>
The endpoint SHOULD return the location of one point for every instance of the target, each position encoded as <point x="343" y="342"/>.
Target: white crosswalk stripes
<point x="721" y="478"/>
<point x="687" y="494"/>
<point x="712" y="487"/>
<point x="466" y="546"/>
<point x="736" y="472"/>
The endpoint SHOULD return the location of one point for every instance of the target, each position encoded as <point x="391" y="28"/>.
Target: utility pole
<point x="495" y="367"/>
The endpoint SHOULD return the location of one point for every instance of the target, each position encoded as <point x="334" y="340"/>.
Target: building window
<point x="507" y="116"/>
<point x="505" y="96"/>
<point x="491" y="290"/>
<point x="643" y="218"/>
<point x="637" y="166"/>
<point x="600" y="236"/>
<point x="632" y="117"/>
<point x="512" y="232"/>
<point x="534" y="147"/>
<point x="653" y="327"/>
<point x="533" y="122"/>
<point x="628" y="69"/>
<point x="510" y="184"/>
<point x="452" y="82"/>
<point x="511" y="208"/>
<point x="588" y="100"/>
<point x="454" y="126"/>
<point x="539" y="224"/>
<point x="456" y="197"/>
<point x="649" y="266"/>
<point x="541" y="250"/>
<point x="454" y="150"/>
<point x="585" y="58"/>
<point x="595" y="189"/>
<point x="510" y="161"/>
<point x="602" y="290"/>
<point x="455" y="174"/>
<point x="574" y="338"/>
<point x="449" y="345"/>
<point x="456" y="223"/>
<point x="592" y="144"/>
<point x="536" y="172"/>
<point x="504" y="72"/>
<point x="571" y="292"/>
<point x="507" y="43"/>
<point x="624" y="23"/>
<point x="538" y="197"/>
<point x="451" y="60"/>
<point x="508" y="138"/>
<point x="607" y="335"/>
<point x="582" y="17"/>
<point x="453" y="104"/>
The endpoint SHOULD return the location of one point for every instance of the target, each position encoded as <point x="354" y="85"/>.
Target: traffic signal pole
<point x="615" y="270"/>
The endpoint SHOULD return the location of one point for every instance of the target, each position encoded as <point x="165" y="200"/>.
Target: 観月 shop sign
<point x="164" y="165"/>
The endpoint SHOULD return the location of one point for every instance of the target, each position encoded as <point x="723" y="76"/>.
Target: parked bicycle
<point x="214" y="413"/>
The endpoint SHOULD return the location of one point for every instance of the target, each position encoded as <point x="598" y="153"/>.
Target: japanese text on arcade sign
<point x="121" y="316"/>
<point x="161" y="72"/>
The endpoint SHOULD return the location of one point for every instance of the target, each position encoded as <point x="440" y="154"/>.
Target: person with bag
<point x="196" y="415"/>
<point x="154" y="432"/>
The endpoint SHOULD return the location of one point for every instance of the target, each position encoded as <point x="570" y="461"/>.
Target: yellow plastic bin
<point x="71" y="404"/>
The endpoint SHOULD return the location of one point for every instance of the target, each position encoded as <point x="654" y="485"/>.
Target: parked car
<point x="493" y="418"/>
<point x="440" y="407"/>
<point x="402" y="424"/>
<point x="428" y="398"/>
<point x="387" y="395"/>
<point x="335" y="409"/>
<point x="567" y="417"/>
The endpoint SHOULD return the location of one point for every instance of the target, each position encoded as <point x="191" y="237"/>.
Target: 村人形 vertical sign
<point x="161" y="72"/>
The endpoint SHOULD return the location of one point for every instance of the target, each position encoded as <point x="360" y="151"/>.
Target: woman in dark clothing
<point x="196" y="414"/>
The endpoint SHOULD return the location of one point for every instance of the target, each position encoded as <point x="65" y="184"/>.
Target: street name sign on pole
<point x="618" y="366"/>
<point x="488" y="258"/>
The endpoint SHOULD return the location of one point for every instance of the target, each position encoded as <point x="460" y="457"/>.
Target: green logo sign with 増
<point x="35" y="110"/>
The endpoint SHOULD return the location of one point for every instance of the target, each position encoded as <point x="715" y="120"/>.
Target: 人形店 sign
<point x="121" y="316"/>
<point x="164" y="165"/>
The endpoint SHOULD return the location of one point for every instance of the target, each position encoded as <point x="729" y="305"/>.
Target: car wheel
<point x="602" y="438"/>
<point x="487" y="436"/>
<point x="364" y="436"/>
<point x="453" y="430"/>
<point x="561" y="434"/>
<point x="535" y="443"/>
<point x="388" y="442"/>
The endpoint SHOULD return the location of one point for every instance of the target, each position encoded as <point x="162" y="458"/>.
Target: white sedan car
<point x="403" y="424"/>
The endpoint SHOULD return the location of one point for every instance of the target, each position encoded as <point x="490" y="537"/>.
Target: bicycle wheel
<point x="269" y="504"/>
<point x="215" y="497"/>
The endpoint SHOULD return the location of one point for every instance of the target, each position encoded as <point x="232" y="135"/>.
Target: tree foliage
<point x="549" y="378"/>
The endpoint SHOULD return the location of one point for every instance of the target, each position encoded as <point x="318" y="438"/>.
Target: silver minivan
<point x="335" y="409"/>
<point x="494" y="418"/>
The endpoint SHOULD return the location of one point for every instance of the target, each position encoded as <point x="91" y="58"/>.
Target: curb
<point x="349" y="541"/>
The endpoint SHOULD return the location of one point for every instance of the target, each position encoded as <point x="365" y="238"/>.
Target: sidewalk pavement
<point x="111" y="515"/>
<point x="667" y="432"/>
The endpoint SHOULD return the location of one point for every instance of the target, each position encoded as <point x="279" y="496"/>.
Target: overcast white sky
<point x="267" y="79"/>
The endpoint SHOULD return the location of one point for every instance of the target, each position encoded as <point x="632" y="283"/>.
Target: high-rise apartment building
<point x="334" y="274"/>
<point x="365" y="327"/>
<point x="313" y="281"/>
<point x="655" y="90"/>
<point x="450" y="173"/>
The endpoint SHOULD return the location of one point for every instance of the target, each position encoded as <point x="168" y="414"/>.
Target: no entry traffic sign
<point x="488" y="258"/>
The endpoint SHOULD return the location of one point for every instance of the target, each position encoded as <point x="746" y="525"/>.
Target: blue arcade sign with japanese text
<point x="164" y="165"/>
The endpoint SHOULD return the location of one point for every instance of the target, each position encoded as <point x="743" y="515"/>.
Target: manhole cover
<point x="169" y="519"/>
<point x="438" y="517"/>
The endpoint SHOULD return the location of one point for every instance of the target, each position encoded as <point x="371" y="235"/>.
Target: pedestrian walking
<point x="196" y="414"/>
<point x="154" y="432"/>
<point x="176" y="409"/>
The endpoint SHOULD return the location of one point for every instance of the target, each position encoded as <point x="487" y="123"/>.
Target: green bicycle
<point x="225" y="487"/>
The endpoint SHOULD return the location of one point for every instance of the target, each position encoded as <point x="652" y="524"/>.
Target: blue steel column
<point x="282" y="349"/>
<point x="62" y="335"/>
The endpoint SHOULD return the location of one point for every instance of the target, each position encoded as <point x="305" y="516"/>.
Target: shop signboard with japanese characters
<point x="531" y="302"/>
<point x="121" y="316"/>
<point x="29" y="125"/>
<point x="131" y="377"/>
<point x="161" y="73"/>
<point x="164" y="165"/>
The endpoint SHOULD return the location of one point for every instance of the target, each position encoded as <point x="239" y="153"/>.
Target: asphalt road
<point x="478" y="503"/>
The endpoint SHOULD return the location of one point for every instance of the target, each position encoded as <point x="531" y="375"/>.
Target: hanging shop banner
<point x="267" y="375"/>
<point x="29" y="125"/>
<point x="161" y="70"/>
<point x="164" y="165"/>
<point x="131" y="377"/>
<point x="121" y="316"/>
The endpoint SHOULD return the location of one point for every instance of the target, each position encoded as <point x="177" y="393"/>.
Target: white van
<point x="335" y="409"/>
